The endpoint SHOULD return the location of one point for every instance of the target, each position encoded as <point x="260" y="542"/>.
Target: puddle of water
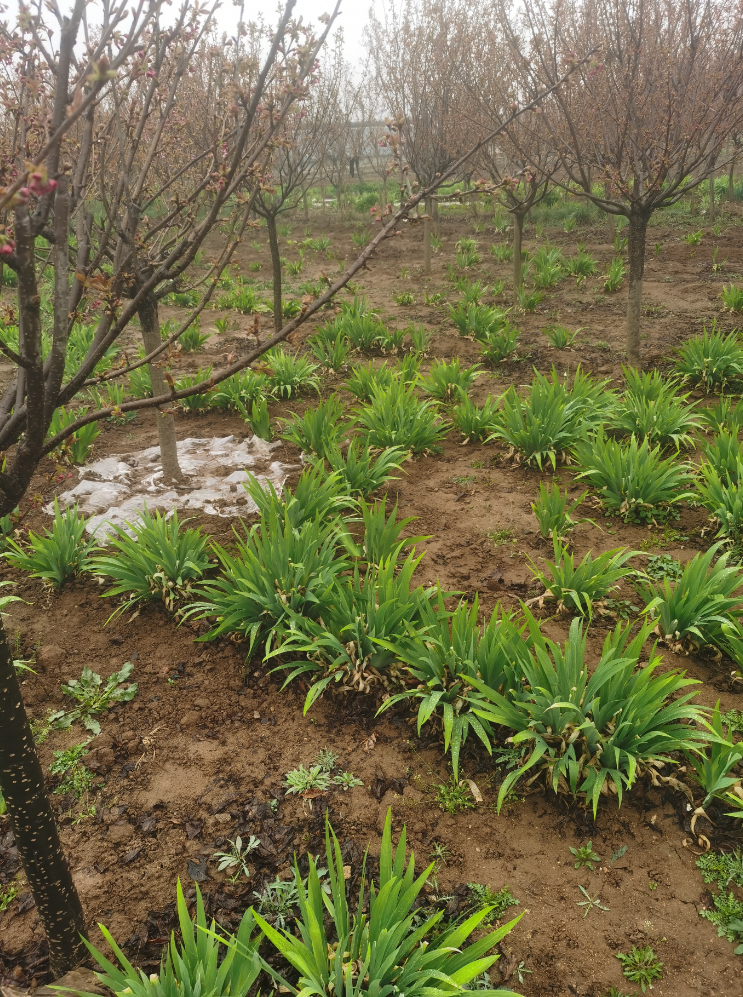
<point x="114" y="489"/>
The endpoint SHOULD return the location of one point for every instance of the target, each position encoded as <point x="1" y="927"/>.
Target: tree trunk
<point x="638" y="225"/>
<point x="306" y="206"/>
<point x="322" y="199"/>
<point x="35" y="830"/>
<point x="518" y="231"/>
<point x="427" y="238"/>
<point x="150" y="324"/>
<point x="273" y="241"/>
<point x="731" y="180"/>
<point x="435" y="214"/>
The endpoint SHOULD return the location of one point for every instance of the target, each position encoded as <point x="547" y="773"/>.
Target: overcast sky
<point x="352" y="18"/>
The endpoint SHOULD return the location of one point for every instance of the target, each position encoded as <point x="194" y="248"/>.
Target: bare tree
<point x="163" y="186"/>
<point x="413" y="55"/>
<point x="295" y="164"/>
<point x="648" y="116"/>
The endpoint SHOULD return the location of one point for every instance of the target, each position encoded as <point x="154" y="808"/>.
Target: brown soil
<point x="199" y="754"/>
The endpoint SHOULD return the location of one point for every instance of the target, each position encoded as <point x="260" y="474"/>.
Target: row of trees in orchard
<point x="654" y="108"/>
<point x="134" y="134"/>
<point x="130" y="135"/>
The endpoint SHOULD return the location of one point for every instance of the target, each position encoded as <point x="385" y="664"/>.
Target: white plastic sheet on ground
<point x="114" y="489"/>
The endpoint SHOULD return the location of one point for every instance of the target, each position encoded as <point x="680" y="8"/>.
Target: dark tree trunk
<point x="150" y="323"/>
<point x="273" y="242"/>
<point x="638" y="225"/>
<point x="34" y="827"/>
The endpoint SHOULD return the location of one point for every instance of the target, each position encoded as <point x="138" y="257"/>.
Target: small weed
<point x="641" y="966"/>
<point x="254" y="267"/>
<point x="42" y="727"/>
<point x="499" y="537"/>
<point x="521" y="970"/>
<point x="404" y="298"/>
<point x="667" y="538"/>
<point x="236" y="857"/>
<point x="440" y="853"/>
<point x="585" y="855"/>
<point x="347" y="780"/>
<point x="693" y="238"/>
<point x="726" y="914"/>
<point x="662" y="566"/>
<point x="590" y="902"/>
<point x="302" y="780"/>
<point x="8" y="894"/>
<point x="92" y="699"/>
<point x="222" y="325"/>
<point x="326" y="759"/>
<point x="617" y="855"/>
<point x="620" y="609"/>
<point x="722" y="868"/>
<point x="404" y="273"/>
<point x="652" y="885"/>
<point x="433" y="299"/>
<point x="483" y="896"/>
<point x="465" y="479"/>
<point x="277" y="901"/>
<point x="76" y="778"/>
<point x="733" y="719"/>
<point x="454" y="796"/>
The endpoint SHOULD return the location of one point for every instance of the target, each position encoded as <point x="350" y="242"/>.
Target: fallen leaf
<point x="370" y="742"/>
<point x="130" y="856"/>
<point x="474" y="789"/>
<point x="197" y="871"/>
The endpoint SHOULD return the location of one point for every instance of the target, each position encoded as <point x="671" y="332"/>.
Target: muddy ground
<point x="201" y="753"/>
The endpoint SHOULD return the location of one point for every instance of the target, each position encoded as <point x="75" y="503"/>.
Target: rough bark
<point x="150" y="324"/>
<point x="518" y="232"/>
<point x="273" y="242"/>
<point x="637" y="230"/>
<point x="35" y="830"/>
<point x="427" y="238"/>
<point x="435" y="215"/>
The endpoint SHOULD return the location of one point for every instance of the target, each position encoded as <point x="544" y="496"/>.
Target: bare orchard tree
<point x="127" y="191"/>
<point x="413" y="56"/>
<point x="106" y="121"/>
<point x="296" y="161"/>
<point x="520" y="165"/>
<point x="133" y="261"/>
<point x="651" y="114"/>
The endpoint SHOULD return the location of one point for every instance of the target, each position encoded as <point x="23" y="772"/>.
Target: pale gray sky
<point x="353" y="17"/>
